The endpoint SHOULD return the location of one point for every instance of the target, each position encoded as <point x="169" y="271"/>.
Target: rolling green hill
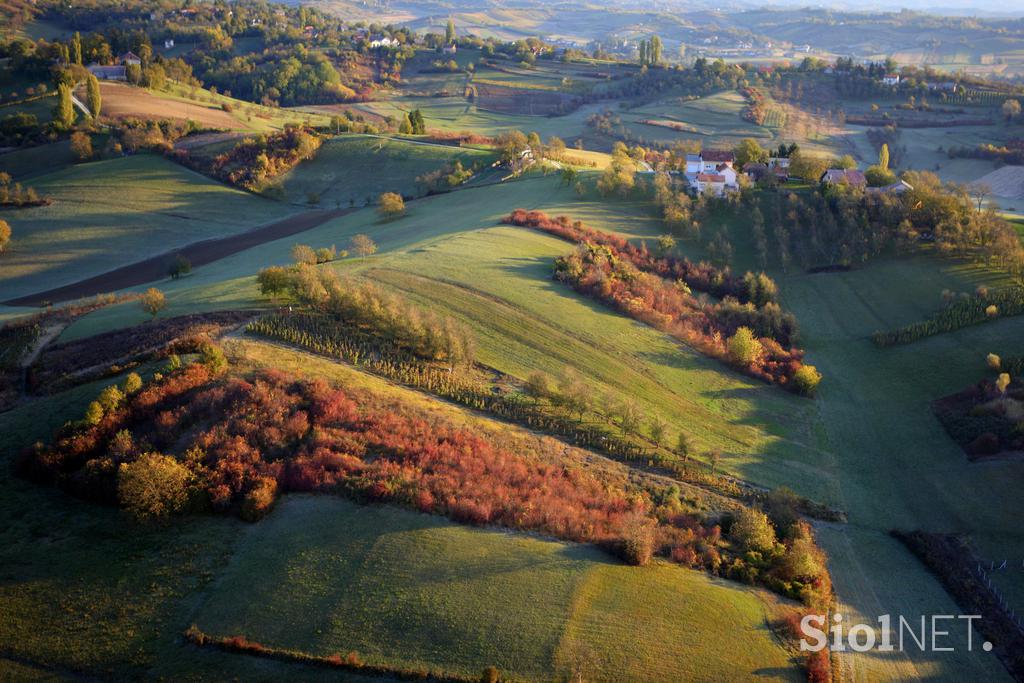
<point x="323" y="576"/>
<point x="110" y="213"/>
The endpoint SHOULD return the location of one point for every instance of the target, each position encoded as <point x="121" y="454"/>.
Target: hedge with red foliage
<point x="246" y="440"/>
<point x="704" y="277"/>
<point x="309" y="436"/>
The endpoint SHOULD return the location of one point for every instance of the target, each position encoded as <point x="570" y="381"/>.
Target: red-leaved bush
<point x="245" y="440"/>
<point x="248" y="440"/>
<point x="703" y="277"/>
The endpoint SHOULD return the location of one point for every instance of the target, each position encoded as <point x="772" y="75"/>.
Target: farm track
<point x="198" y="254"/>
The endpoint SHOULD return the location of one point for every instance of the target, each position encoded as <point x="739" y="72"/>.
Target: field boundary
<point x="351" y="662"/>
<point x="198" y="253"/>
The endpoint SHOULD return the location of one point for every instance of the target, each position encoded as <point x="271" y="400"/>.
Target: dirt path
<point x="198" y="254"/>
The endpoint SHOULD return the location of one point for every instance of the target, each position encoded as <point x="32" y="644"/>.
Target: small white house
<point x="778" y="162"/>
<point x="728" y="174"/>
<point x="693" y="164"/>
<point x="384" y="42"/>
<point x="450" y="49"/>
<point x="891" y="79"/>
<point x="710" y="183"/>
<point x="168" y="43"/>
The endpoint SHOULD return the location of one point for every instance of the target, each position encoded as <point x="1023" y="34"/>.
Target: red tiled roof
<point x="710" y="178"/>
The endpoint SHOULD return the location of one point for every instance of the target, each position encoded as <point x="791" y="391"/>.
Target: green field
<point x="350" y="170"/>
<point x="895" y="466"/>
<point x="415" y="590"/>
<point x="869" y="444"/>
<point x="322" y="575"/>
<point x="449" y="252"/>
<point x="110" y="213"/>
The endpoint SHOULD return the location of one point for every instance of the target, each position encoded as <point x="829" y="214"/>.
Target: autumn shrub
<point x="153" y="487"/>
<point x="601" y="272"/>
<point x="200" y="438"/>
<point x="753" y="530"/>
<point x="806" y="380"/>
<point x="703" y="277"/>
<point x="259" y="499"/>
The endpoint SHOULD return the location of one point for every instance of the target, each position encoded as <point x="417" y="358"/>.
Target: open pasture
<point x="352" y="170"/>
<point x="110" y="213"/>
<point x="322" y="575"/>
<point x="450" y="253"/>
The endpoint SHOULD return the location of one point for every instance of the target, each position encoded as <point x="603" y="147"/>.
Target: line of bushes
<point x="961" y="313"/>
<point x="350" y="662"/>
<point x="200" y="439"/>
<point x="703" y="276"/>
<point x="953" y="562"/>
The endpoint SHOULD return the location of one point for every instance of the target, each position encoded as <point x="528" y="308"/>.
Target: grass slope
<point x="109" y="213"/>
<point x="895" y="466"/>
<point x="354" y="170"/>
<point x="450" y="253"/>
<point x="405" y="588"/>
<point x="322" y="573"/>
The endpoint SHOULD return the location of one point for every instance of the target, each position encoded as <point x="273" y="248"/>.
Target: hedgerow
<point x="962" y="313"/>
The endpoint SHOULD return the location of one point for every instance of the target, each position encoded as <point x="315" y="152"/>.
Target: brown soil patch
<point x="124" y="102"/>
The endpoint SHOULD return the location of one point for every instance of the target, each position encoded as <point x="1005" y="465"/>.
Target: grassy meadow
<point x="106" y="214"/>
<point x="354" y="170"/>
<point x="411" y="589"/>
<point x="451" y="253"/>
<point x="323" y="575"/>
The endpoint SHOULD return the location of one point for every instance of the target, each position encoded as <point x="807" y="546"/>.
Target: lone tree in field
<point x="569" y="176"/>
<point x="179" y="266"/>
<point x="449" y="32"/>
<point x="5" y="235"/>
<point x="362" y="246"/>
<point x="95" y="102"/>
<point x="807" y="379"/>
<point x="81" y="146"/>
<point x="153" y="301"/>
<point x="883" y="157"/>
<point x="390" y="205"/>
<point x="683" y="446"/>
<point x="153" y="487"/>
<point x="273" y="281"/>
